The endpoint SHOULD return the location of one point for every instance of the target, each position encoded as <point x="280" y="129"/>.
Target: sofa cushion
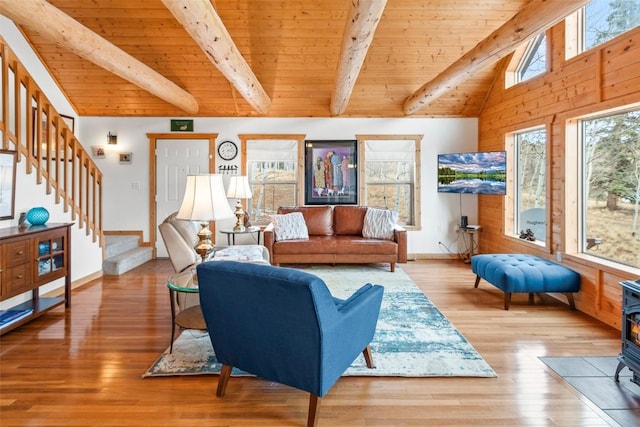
<point x="319" y="219"/>
<point x="290" y="226"/>
<point x="348" y="220"/>
<point x="314" y="245"/>
<point x="352" y="245"/>
<point x="379" y="223"/>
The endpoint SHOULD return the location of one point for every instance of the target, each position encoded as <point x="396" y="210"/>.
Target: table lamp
<point x="204" y="201"/>
<point x="239" y="189"/>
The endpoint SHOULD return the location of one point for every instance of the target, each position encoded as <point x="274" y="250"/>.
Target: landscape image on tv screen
<point x="473" y="173"/>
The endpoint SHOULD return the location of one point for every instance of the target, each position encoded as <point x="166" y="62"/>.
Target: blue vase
<point x="37" y="216"/>
<point x="43" y="248"/>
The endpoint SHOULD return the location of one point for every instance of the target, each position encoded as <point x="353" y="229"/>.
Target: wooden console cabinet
<point x="30" y="258"/>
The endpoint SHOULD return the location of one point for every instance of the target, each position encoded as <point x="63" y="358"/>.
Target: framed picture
<point x="125" y="158"/>
<point x="70" y="122"/>
<point x="97" y="152"/>
<point x="7" y="183"/>
<point x="34" y="130"/>
<point x="181" y="125"/>
<point x="331" y="172"/>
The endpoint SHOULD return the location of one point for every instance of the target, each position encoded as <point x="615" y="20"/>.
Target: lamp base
<point x="204" y="246"/>
<point x="239" y="213"/>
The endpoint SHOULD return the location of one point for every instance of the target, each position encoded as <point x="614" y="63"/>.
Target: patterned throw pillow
<point x="290" y="226"/>
<point x="379" y="224"/>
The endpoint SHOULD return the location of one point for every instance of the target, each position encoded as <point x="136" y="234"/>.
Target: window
<point x="600" y="21"/>
<point x="530" y="198"/>
<point x="272" y="168"/>
<point x="528" y="61"/>
<point x="611" y="187"/>
<point x="534" y="60"/>
<point x="391" y="175"/>
<point x="605" y="19"/>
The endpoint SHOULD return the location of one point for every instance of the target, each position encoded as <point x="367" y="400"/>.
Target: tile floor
<point x="593" y="378"/>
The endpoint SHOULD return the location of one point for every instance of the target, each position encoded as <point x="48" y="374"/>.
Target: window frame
<point x="416" y="185"/>
<point x="244" y="162"/>
<point x="527" y="57"/>
<point x="523" y="54"/>
<point x="513" y="197"/>
<point x="575" y="34"/>
<point x="579" y="236"/>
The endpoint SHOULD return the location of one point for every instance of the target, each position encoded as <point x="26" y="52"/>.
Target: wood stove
<point x="630" y="354"/>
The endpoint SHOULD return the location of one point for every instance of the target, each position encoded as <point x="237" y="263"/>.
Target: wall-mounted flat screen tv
<point x="482" y="172"/>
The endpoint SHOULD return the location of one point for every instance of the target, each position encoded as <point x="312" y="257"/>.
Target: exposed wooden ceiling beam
<point x="533" y="19"/>
<point x="359" y="30"/>
<point x="50" y="22"/>
<point x="204" y="25"/>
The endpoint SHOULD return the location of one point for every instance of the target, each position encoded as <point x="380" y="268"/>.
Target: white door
<point x="175" y="159"/>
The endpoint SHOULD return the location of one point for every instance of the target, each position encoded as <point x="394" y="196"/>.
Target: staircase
<point x="123" y="253"/>
<point x="47" y="147"/>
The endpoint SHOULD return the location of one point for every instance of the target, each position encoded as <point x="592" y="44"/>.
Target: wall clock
<point x="227" y="150"/>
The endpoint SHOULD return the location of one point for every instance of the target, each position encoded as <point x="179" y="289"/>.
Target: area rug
<point x="413" y="338"/>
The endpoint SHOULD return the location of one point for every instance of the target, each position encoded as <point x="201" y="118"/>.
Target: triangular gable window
<point x="534" y="59"/>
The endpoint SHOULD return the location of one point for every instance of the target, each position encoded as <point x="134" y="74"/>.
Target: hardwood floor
<point x="83" y="367"/>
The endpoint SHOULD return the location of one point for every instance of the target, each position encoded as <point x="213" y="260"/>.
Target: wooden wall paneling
<point x="610" y="291"/>
<point x="590" y="286"/>
<point x="614" y="89"/>
<point x="597" y="80"/>
<point x="529" y="22"/>
<point x="600" y="295"/>
<point x="556" y="85"/>
<point x="554" y="183"/>
<point x="620" y="64"/>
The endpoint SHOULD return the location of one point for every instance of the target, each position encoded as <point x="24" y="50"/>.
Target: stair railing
<point x="30" y="125"/>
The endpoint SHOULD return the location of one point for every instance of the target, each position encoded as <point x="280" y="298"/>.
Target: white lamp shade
<point x="239" y="188"/>
<point x="204" y="199"/>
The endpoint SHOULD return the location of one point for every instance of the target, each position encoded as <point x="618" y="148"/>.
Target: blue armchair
<point x="284" y="325"/>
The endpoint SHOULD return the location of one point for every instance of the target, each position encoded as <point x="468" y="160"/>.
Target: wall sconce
<point x="112" y="138"/>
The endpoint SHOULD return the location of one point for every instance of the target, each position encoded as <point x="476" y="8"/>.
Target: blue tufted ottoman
<point x="518" y="273"/>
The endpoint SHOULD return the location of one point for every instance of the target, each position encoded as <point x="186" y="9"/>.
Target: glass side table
<point x="231" y="234"/>
<point x="184" y="298"/>
<point x="183" y="287"/>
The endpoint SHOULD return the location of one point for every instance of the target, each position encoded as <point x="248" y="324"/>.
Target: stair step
<point x="119" y="243"/>
<point x="125" y="261"/>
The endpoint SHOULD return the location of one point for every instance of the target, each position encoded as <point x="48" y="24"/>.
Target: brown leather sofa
<point x="335" y="237"/>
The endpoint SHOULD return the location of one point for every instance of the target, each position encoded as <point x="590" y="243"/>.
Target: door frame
<point x="153" y="138"/>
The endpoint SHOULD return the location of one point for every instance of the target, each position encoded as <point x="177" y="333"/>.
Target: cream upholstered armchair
<point x="179" y="237"/>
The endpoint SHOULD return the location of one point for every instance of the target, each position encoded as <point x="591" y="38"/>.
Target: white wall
<point x="126" y="187"/>
<point x="86" y="255"/>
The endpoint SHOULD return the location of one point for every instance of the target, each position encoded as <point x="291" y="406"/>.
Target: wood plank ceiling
<point x="294" y="49"/>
